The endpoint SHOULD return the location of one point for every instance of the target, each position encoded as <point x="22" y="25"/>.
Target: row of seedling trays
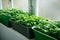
<point x="31" y="32"/>
<point x="29" y="25"/>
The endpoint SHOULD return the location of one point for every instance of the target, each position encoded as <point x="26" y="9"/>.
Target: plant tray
<point x="5" y="20"/>
<point x="26" y="31"/>
<point x="41" y="36"/>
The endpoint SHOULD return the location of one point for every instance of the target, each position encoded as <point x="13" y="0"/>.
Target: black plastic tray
<point x="26" y="31"/>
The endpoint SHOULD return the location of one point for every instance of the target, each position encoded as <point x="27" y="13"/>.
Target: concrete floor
<point x="10" y="34"/>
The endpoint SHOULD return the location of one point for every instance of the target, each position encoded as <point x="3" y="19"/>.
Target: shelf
<point x="10" y="34"/>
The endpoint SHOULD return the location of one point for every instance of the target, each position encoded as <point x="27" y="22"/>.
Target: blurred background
<point x="47" y="8"/>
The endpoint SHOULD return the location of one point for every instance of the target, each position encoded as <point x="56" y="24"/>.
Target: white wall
<point x="21" y="4"/>
<point x="0" y="4"/>
<point x="49" y="9"/>
<point x="5" y="4"/>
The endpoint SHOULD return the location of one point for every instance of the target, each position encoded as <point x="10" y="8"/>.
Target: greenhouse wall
<point x="18" y="4"/>
<point x="0" y="4"/>
<point x="5" y="4"/>
<point x="49" y="9"/>
<point x="21" y="4"/>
